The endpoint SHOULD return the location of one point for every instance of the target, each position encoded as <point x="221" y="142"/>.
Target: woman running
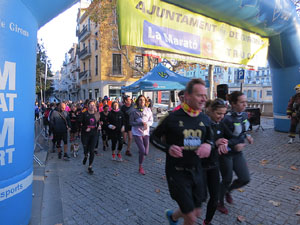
<point x="141" y="119"/>
<point x="90" y="125"/>
<point x="236" y="120"/>
<point x="216" y="110"/>
<point x="116" y="126"/>
<point x="104" y="116"/>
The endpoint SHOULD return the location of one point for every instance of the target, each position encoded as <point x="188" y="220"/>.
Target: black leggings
<point x="212" y="179"/>
<point x="89" y="142"/>
<point x="229" y="163"/>
<point x="117" y="138"/>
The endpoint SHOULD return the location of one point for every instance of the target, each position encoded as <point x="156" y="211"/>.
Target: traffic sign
<point x="241" y="75"/>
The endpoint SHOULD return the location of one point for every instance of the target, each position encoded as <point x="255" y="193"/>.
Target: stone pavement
<point x="118" y="194"/>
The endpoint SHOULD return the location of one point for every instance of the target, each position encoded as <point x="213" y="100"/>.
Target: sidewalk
<point x="117" y="194"/>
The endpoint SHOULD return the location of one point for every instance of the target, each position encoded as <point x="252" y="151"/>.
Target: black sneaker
<point x="104" y="148"/>
<point x="90" y="170"/>
<point x="84" y="160"/>
<point x="59" y="155"/>
<point x="66" y="157"/>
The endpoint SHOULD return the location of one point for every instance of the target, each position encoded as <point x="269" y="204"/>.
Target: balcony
<point x="84" y="33"/>
<point x="85" y="53"/>
<point x="85" y="75"/>
<point x="74" y="68"/>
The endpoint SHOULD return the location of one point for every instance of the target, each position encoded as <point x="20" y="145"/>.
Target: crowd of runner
<point x="203" y="141"/>
<point x="117" y="122"/>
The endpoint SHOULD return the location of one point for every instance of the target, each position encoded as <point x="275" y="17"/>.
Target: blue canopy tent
<point x="159" y="78"/>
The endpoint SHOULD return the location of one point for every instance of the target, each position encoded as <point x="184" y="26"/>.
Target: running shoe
<point x="59" y="155"/>
<point x="84" y="160"/>
<point x="222" y="209"/>
<point x="141" y="170"/>
<point x="119" y="157"/>
<point x="169" y="214"/>
<point x="128" y="153"/>
<point x="206" y="223"/>
<point x="91" y="171"/>
<point x="66" y="157"/>
<point x="291" y="141"/>
<point x="228" y="198"/>
<point x="104" y="148"/>
<point x="113" y="158"/>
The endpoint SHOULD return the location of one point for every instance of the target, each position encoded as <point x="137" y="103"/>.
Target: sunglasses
<point x="218" y="102"/>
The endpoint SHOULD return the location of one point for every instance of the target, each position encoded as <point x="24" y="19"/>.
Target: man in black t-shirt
<point x="185" y="136"/>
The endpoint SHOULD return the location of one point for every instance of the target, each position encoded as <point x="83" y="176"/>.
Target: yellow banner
<point x="158" y="25"/>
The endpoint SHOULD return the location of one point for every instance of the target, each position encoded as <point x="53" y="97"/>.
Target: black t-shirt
<point x="180" y="129"/>
<point x="89" y="121"/>
<point x="127" y="110"/>
<point x="105" y="120"/>
<point x="73" y="117"/>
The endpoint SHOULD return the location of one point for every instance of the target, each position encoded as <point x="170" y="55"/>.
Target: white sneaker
<point x="291" y="141"/>
<point x="119" y="158"/>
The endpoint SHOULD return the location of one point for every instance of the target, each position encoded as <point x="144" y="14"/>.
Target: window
<point x="90" y="94"/>
<point x="83" y="66"/>
<point x="138" y="61"/>
<point x="254" y="95"/>
<point x="229" y="70"/>
<point x="116" y="64"/>
<point x="260" y="94"/>
<point x="84" y="94"/>
<point x="96" y="41"/>
<point x="269" y="93"/>
<point x="249" y="94"/>
<point x="96" y="93"/>
<point x="96" y="44"/>
<point x="96" y="65"/>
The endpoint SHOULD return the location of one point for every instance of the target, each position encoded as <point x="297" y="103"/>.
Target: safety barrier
<point x="39" y="137"/>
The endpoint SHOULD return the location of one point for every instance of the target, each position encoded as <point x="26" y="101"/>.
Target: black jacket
<point x="238" y="124"/>
<point x="117" y="119"/>
<point x="60" y="121"/>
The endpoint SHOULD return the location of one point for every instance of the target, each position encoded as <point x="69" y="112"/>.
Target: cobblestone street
<point x="118" y="194"/>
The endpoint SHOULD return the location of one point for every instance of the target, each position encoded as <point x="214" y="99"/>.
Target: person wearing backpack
<point x="60" y="123"/>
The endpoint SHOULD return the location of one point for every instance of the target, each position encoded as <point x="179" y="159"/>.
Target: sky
<point x="58" y="36"/>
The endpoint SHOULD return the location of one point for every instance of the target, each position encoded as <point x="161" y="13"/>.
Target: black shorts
<point x="187" y="188"/>
<point x="61" y="137"/>
<point x="127" y="128"/>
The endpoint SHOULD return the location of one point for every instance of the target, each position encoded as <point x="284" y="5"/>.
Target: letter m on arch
<point x="8" y="74"/>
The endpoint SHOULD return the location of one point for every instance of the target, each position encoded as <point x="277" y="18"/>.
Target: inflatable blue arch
<point x="19" y="22"/>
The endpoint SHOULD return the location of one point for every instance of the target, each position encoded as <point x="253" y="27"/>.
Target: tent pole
<point x="211" y="81"/>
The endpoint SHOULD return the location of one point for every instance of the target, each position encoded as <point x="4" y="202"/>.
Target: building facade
<point x="104" y="66"/>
